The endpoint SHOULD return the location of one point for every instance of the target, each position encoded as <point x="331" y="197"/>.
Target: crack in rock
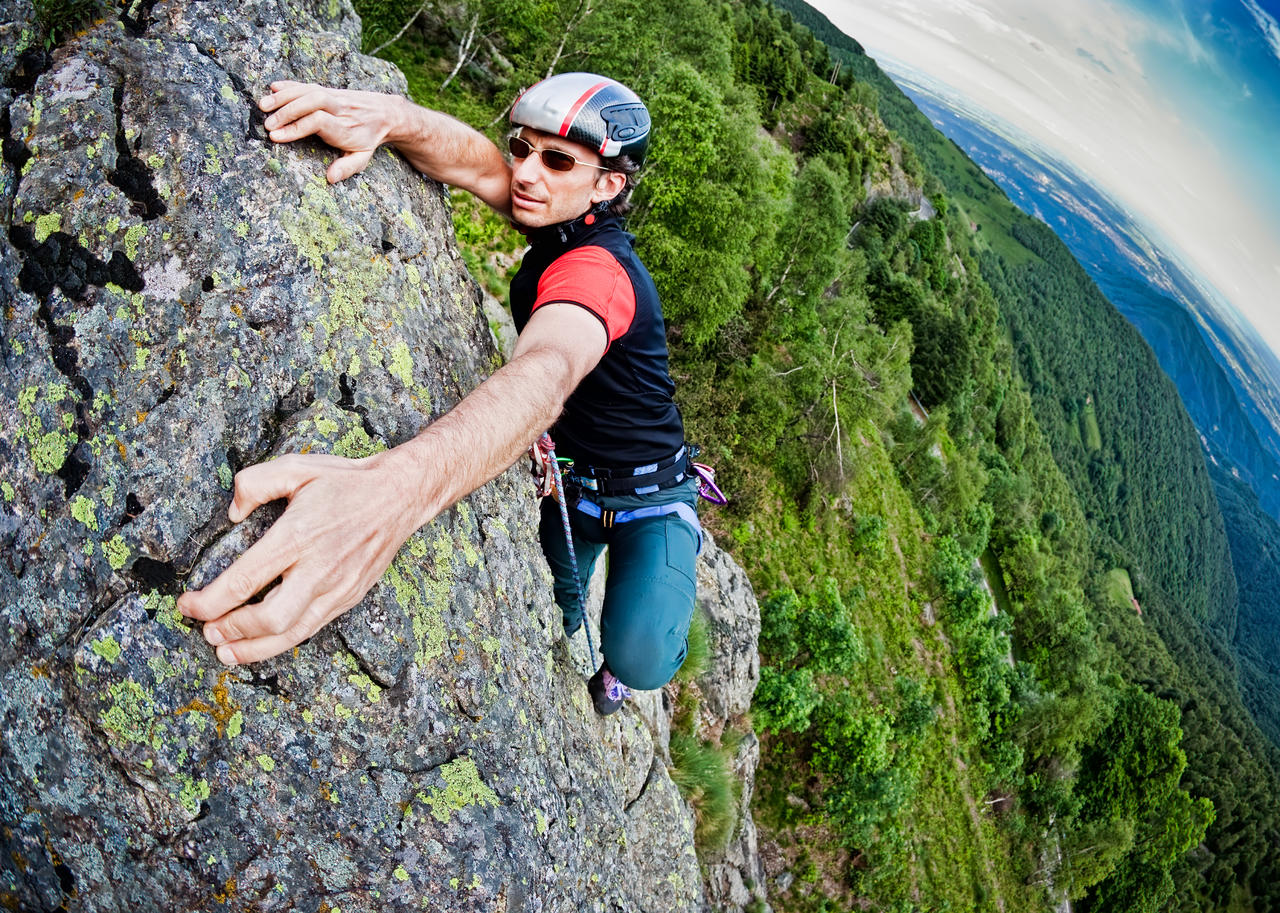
<point x="136" y="16"/>
<point x="132" y="174"/>
<point x="29" y="66"/>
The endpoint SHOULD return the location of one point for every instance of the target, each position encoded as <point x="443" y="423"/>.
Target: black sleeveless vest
<point x="622" y="414"/>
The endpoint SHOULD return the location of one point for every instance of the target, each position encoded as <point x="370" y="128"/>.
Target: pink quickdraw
<point x="707" y="487"/>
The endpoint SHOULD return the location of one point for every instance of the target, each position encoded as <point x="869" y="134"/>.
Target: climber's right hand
<point x="345" y="522"/>
<point x="354" y="122"/>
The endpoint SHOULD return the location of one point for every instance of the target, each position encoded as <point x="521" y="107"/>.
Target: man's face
<point x="540" y="196"/>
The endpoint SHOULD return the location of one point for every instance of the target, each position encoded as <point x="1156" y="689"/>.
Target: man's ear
<point x="608" y="185"/>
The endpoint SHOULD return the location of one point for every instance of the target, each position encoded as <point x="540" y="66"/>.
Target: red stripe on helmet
<point x="577" y="106"/>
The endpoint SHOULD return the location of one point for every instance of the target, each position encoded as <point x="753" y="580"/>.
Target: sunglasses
<point x="554" y="159"/>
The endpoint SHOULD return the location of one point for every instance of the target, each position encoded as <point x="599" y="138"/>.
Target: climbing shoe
<point x="607" y="693"/>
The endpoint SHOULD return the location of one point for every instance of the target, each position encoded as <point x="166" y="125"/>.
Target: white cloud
<point x="1194" y="47"/>
<point x="1266" y="24"/>
<point x="1104" y="111"/>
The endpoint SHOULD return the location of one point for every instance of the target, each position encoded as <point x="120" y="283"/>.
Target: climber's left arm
<point x="347" y="519"/>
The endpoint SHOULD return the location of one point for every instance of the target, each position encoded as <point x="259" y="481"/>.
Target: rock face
<point x="733" y="627"/>
<point x="181" y="298"/>
<point x="734" y="874"/>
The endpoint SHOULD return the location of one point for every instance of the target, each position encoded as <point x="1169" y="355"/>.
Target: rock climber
<point x="590" y="363"/>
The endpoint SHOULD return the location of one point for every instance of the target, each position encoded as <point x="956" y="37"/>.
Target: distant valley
<point x="1226" y="379"/>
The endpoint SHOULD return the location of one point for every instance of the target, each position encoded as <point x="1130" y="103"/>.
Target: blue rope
<point x="563" y="498"/>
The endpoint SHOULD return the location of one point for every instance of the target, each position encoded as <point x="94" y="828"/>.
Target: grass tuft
<point x="60" y="19"/>
<point x="704" y="775"/>
<point x="698" y="656"/>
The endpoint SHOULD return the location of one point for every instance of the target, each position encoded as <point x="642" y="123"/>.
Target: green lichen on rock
<point x="355" y="284"/>
<point x="193" y="792"/>
<point x="462" y="787"/>
<point x="133" y="714"/>
<point x="82" y="509"/>
<point x="401" y="365"/>
<point x="266" y="762"/>
<point x="372" y="690"/>
<point x="107" y="648"/>
<point x="316" y="227"/>
<point x="165" y="610"/>
<point x="425" y="600"/>
<point x="9" y="493"/>
<point x="356" y="444"/>
<point x="212" y="164"/>
<point x="46" y="225"/>
<point x="131" y="239"/>
<point x="51" y="452"/>
<point x="161" y="668"/>
<point x="117" y="552"/>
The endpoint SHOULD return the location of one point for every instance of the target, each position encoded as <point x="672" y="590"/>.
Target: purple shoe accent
<point x="614" y="689"/>
<point x="607" y="693"/>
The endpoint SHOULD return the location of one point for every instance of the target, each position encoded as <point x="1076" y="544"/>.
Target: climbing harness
<point x="638" y="480"/>
<point x="610" y="518"/>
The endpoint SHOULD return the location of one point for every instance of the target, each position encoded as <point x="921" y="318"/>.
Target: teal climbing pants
<point x="649" y="591"/>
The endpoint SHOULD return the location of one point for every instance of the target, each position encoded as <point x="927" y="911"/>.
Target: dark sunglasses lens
<point x="519" y="148"/>
<point x="558" y="161"/>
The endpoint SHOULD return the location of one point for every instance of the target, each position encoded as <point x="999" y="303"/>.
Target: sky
<point x="1170" y="107"/>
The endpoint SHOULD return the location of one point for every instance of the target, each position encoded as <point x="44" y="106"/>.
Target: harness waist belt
<point x="610" y="518"/>
<point x="635" y="480"/>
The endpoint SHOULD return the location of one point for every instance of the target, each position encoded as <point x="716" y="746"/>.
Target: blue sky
<point x="1170" y="107"/>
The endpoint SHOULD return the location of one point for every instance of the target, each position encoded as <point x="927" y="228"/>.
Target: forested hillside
<point x="1255" y="552"/>
<point x="1220" y="734"/>
<point x="903" y="380"/>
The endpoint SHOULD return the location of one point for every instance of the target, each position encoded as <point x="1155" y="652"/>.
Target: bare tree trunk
<point x="839" y="447"/>
<point x="781" y="279"/>
<point x="466" y="48"/>
<point x="412" y="19"/>
<point x="511" y="104"/>
<point x="579" y="15"/>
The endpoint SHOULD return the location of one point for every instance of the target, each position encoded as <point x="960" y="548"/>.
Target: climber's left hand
<point x="345" y="522"/>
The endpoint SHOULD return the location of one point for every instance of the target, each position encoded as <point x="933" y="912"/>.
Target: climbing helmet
<point x="599" y="112"/>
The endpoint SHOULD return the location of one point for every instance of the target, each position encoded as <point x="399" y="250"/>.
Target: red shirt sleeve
<point x="592" y="278"/>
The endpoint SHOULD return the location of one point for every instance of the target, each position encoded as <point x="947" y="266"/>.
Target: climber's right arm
<point x="357" y="123"/>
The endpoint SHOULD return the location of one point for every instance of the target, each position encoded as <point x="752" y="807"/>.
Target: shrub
<point x="778" y="627"/>
<point x="829" y="638"/>
<point x="784" y="700"/>
<point x="814" y="629"/>
<point x="916" y="712"/>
